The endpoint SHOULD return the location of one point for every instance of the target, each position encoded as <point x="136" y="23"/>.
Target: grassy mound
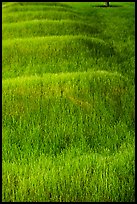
<point x="94" y="177"/>
<point x="68" y="111"/>
<point x="52" y="54"/>
<point x="47" y="27"/>
<point x="41" y="15"/>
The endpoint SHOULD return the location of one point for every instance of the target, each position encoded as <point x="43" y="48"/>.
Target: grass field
<point x="68" y="109"/>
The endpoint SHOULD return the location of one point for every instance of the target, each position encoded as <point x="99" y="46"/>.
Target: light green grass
<point x="68" y="110"/>
<point x="72" y="176"/>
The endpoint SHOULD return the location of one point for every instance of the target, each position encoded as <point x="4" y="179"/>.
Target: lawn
<point x="68" y="109"/>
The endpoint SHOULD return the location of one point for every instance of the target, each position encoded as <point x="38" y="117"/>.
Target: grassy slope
<point x="68" y="102"/>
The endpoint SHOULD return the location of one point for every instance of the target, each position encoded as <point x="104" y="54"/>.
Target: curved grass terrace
<point x="68" y="109"/>
<point x="49" y="27"/>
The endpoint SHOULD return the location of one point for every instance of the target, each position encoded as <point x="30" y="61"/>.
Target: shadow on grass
<point x="103" y="6"/>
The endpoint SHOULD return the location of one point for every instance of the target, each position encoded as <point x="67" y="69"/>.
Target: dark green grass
<point x="68" y="110"/>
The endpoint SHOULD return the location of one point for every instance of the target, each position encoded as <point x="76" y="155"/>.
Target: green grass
<point x="50" y="27"/>
<point x="68" y="110"/>
<point x="55" y="54"/>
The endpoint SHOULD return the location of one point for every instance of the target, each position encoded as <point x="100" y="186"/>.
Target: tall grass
<point x="68" y="103"/>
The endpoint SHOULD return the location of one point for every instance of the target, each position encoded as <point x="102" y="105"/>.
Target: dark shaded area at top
<point x="107" y="6"/>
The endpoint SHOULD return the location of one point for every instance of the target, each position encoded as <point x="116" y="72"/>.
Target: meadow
<point x="68" y="102"/>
